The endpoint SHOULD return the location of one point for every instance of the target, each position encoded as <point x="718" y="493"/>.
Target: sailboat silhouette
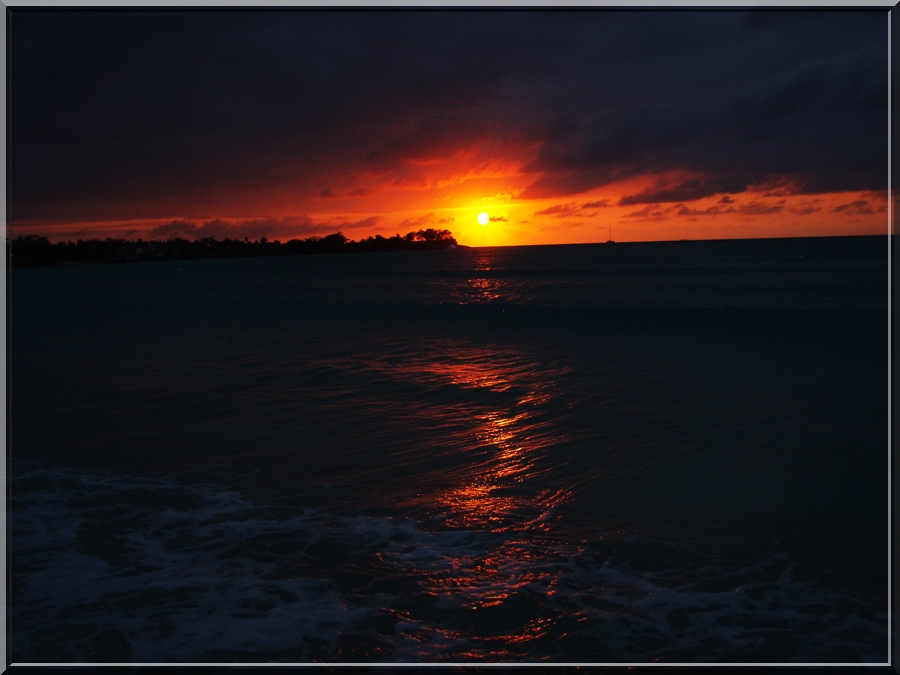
<point x="610" y="240"/>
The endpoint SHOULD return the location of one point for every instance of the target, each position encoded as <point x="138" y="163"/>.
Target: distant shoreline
<point x="37" y="251"/>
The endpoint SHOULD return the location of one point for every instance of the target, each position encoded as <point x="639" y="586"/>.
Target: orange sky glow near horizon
<point x="454" y="202"/>
<point x="564" y="128"/>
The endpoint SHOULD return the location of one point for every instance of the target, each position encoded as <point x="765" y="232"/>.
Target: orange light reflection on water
<point x="471" y="375"/>
<point x="488" y="289"/>
<point x="500" y="411"/>
<point x="498" y="496"/>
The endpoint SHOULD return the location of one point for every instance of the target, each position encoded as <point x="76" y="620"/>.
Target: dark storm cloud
<point x="687" y="190"/>
<point x="649" y="212"/>
<point x="141" y="107"/>
<point x="860" y="207"/>
<point x="572" y="209"/>
<point x="751" y="209"/>
<point x="558" y="210"/>
<point x="806" y="100"/>
<point x="436" y="137"/>
<point x="136" y="105"/>
<point x="804" y="210"/>
<point x="413" y="223"/>
<point x="714" y="210"/>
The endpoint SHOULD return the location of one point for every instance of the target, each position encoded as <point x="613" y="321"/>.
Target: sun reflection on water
<point x="482" y="285"/>
<point x="500" y="423"/>
<point x="471" y="375"/>
<point x="489" y="289"/>
<point x="501" y="495"/>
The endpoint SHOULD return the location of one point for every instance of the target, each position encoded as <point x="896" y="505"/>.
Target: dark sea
<point x="600" y="454"/>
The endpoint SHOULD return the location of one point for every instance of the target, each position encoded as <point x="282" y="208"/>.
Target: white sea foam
<point x="115" y="568"/>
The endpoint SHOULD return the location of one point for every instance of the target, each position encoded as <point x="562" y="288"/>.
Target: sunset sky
<point x="564" y="127"/>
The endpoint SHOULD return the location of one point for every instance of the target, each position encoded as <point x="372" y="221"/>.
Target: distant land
<point x="37" y="251"/>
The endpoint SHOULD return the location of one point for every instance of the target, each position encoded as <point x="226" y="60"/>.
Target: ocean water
<point x="630" y="453"/>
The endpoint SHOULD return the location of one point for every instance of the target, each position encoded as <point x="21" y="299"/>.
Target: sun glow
<point x="483" y="218"/>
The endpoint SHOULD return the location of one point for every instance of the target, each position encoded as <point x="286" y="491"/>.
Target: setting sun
<point x="357" y="419"/>
<point x="437" y="159"/>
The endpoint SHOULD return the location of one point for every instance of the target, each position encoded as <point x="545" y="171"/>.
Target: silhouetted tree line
<point x="33" y="250"/>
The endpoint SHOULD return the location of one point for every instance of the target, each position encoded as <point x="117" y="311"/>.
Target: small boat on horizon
<point x="610" y="240"/>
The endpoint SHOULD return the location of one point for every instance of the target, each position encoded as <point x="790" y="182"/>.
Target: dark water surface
<point x="630" y="453"/>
